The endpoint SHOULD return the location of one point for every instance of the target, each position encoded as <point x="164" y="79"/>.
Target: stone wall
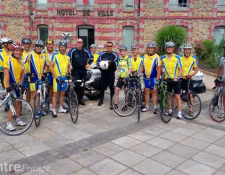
<point x="203" y="8"/>
<point x="200" y="20"/>
<point x="154" y="8"/>
<point x="13" y="7"/>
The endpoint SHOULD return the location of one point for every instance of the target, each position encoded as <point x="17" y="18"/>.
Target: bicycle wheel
<point x="73" y="106"/>
<point x="126" y="102"/>
<point x="138" y="104"/>
<point x="187" y="105"/>
<point x="45" y="105"/>
<point x="27" y="117"/>
<point x="37" y="111"/>
<point x="216" y="109"/>
<point x="166" y="104"/>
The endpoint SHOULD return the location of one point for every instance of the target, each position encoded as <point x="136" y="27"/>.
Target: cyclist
<point x="190" y="68"/>
<point x="152" y="71"/>
<point x="49" y="51"/>
<point x="93" y="49"/>
<point x="60" y="67"/>
<point x="135" y="61"/>
<point x="27" y="49"/>
<point x="37" y="68"/>
<point x="14" y="74"/>
<point x="81" y="59"/>
<point x="221" y="73"/>
<point x="5" y="53"/>
<point x="124" y="69"/>
<point x="108" y="72"/>
<point x="173" y="70"/>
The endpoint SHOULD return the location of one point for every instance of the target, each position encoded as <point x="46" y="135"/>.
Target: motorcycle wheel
<point x="93" y="97"/>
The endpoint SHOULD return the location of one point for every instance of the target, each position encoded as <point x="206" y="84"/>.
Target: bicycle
<point x="165" y="101"/>
<point x="71" y="98"/>
<point x="216" y="106"/>
<point x="190" y="103"/>
<point x="131" y="98"/>
<point x="41" y="97"/>
<point x="10" y="100"/>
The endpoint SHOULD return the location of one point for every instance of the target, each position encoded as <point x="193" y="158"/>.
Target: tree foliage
<point x="170" y="33"/>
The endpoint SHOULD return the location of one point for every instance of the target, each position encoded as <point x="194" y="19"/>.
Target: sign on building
<point x="66" y="36"/>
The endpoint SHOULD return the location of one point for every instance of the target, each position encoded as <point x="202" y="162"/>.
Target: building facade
<point x="120" y="21"/>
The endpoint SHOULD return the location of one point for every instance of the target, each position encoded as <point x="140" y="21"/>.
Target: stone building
<point x="121" y="21"/>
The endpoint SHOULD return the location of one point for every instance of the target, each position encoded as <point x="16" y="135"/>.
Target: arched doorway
<point x="87" y="33"/>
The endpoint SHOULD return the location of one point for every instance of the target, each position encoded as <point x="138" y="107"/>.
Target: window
<point x="80" y="2"/>
<point x="221" y="3"/>
<point x="128" y="37"/>
<point x="43" y="32"/>
<point x="178" y="3"/>
<point x="219" y="34"/>
<point x="128" y="3"/>
<point x="87" y="34"/>
<point x="42" y="2"/>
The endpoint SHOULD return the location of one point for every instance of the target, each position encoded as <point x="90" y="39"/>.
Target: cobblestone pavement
<point x="105" y="144"/>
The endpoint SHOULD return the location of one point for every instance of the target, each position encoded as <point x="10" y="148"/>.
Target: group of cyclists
<point x="20" y="64"/>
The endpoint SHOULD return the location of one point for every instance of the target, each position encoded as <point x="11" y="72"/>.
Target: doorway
<point x="87" y="34"/>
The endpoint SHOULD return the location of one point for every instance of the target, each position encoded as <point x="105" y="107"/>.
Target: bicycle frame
<point x="163" y="90"/>
<point x="9" y="97"/>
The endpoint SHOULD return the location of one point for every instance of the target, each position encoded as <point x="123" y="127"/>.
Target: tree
<point x="170" y="33"/>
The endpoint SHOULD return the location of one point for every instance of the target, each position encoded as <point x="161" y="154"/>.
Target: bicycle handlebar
<point x="219" y="85"/>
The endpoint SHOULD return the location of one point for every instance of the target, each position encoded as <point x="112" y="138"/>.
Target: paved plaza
<point x="102" y="143"/>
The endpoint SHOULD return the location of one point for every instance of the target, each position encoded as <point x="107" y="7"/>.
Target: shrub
<point x="208" y="52"/>
<point x="170" y="33"/>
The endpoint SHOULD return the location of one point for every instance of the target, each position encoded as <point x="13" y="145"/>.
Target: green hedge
<point x="170" y="33"/>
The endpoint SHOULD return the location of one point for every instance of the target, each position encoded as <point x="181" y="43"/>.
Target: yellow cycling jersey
<point x="123" y="66"/>
<point x="188" y="64"/>
<point x="136" y="65"/>
<point x="49" y="57"/>
<point x="171" y="65"/>
<point x="61" y="64"/>
<point x="3" y="56"/>
<point x="96" y="55"/>
<point x="24" y="55"/>
<point x="150" y="64"/>
<point x="15" y="69"/>
<point x="36" y="64"/>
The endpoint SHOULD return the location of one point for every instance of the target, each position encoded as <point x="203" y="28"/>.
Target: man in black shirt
<point x="108" y="72"/>
<point x="81" y="58"/>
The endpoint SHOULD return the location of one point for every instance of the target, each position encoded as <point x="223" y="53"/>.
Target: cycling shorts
<point x="59" y="86"/>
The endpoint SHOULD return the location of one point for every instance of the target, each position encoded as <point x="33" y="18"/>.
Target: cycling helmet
<point x="170" y="44"/>
<point x="17" y="46"/>
<point x="123" y="48"/>
<point x="49" y="41"/>
<point x="26" y="41"/>
<point x="104" y="65"/>
<point x="6" y="40"/>
<point x="134" y="47"/>
<point x="93" y="46"/>
<point x="62" y="43"/>
<point x="39" y="42"/>
<point x="187" y="46"/>
<point x="151" y="44"/>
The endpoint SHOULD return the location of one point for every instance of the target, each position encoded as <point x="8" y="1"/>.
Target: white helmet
<point x="6" y="40"/>
<point x="151" y="44"/>
<point x="104" y="65"/>
<point x="187" y="46"/>
<point x="170" y="44"/>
